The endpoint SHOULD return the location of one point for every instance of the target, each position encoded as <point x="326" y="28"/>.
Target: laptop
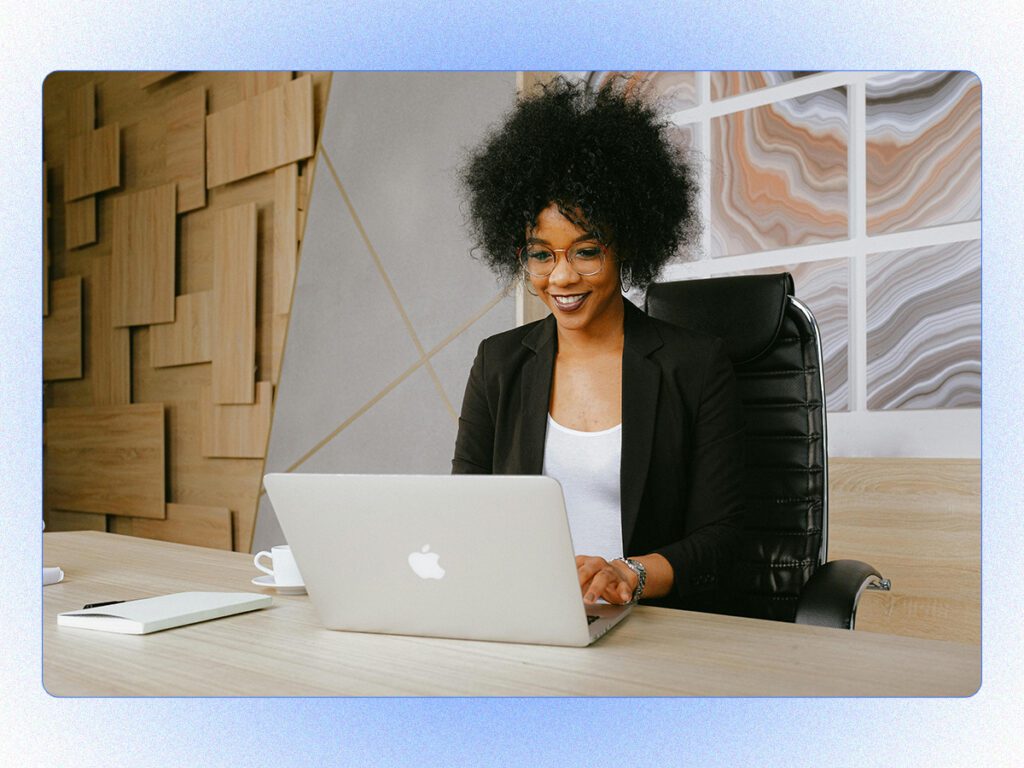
<point x="475" y="557"/>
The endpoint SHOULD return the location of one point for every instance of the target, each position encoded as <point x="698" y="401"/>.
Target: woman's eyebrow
<point x="581" y="238"/>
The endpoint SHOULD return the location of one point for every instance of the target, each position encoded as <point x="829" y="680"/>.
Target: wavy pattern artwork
<point x="726" y="84"/>
<point x="674" y="91"/>
<point x="924" y="327"/>
<point x="923" y="150"/>
<point x="778" y="174"/>
<point x="824" y="286"/>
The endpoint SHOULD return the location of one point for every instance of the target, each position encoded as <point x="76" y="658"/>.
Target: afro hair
<point x="604" y="157"/>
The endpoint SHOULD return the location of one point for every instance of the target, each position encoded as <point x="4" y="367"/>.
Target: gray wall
<point x="389" y="306"/>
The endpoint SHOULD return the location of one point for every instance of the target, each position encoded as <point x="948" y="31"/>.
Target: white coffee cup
<point x="285" y="571"/>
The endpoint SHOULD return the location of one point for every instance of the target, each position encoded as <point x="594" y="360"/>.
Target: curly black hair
<point x="603" y="156"/>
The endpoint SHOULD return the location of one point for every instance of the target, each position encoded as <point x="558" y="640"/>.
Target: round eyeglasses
<point x="586" y="258"/>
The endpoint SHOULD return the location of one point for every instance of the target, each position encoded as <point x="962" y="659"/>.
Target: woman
<point x="584" y="195"/>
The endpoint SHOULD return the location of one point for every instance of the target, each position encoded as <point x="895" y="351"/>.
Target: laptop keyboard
<point x="591" y="619"/>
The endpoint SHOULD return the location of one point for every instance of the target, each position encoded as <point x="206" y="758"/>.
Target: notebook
<point x="476" y="557"/>
<point x="151" y="614"/>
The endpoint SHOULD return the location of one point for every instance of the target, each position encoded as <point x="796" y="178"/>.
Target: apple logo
<point x="424" y="564"/>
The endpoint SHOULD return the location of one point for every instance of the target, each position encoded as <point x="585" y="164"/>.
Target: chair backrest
<point x="773" y="342"/>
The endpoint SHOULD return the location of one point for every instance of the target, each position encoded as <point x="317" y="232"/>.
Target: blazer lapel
<point x="641" y="379"/>
<point x="536" y="396"/>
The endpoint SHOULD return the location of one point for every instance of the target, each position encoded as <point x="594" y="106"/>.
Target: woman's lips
<point x="571" y="303"/>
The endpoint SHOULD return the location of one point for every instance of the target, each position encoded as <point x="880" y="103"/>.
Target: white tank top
<point x="587" y="464"/>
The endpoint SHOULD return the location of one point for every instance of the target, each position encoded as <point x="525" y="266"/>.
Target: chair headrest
<point x="745" y="311"/>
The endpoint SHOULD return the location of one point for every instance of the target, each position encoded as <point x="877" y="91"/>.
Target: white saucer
<point x="268" y="581"/>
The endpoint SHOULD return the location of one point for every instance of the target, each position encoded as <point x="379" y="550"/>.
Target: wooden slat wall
<point x="236" y="431"/>
<point x="265" y="131"/>
<point x="143" y="257"/>
<point x="919" y="522"/>
<point x="234" y="304"/>
<point x="110" y="364"/>
<point x="148" y="79"/>
<point x="93" y="162"/>
<point x="186" y="341"/>
<point x="81" y="214"/>
<point x="62" y="331"/>
<point x="159" y="145"/>
<point x="106" y="460"/>
<point x="186" y="148"/>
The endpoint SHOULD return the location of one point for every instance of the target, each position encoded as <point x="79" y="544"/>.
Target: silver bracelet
<point x="641" y="575"/>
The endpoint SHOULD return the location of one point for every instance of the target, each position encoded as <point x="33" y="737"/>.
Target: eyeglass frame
<point x="565" y="251"/>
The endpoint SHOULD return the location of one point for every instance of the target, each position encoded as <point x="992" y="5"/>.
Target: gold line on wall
<point x="390" y="286"/>
<point x="396" y="381"/>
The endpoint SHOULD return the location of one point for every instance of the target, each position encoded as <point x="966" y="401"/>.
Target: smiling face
<point x="591" y="304"/>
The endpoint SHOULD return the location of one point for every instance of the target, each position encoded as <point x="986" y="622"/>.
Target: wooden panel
<point x="236" y="431"/>
<point x="110" y="364"/>
<point x="253" y="83"/>
<point x="146" y="79"/>
<point x="80" y="223"/>
<point x="285" y="238"/>
<point x="187" y="339"/>
<point x="269" y="130"/>
<point x="184" y="524"/>
<point x="108" y="460"/>
<point x="59" y="520"/>
<point x="278" y="335"/>
<point x="143" y="257"/>
<point x="93" y="162"/>
<point x="919" y="522"/>
<point x="234" y="304"/>
<point x="62" y="331"/>
<point x="81" y="109"/>
<point x="186" y="148"/>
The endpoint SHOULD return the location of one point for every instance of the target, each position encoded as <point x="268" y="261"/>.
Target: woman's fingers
<point x="601" y="579"/>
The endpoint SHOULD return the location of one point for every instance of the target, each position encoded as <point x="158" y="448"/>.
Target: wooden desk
<point x="283" y="650"/>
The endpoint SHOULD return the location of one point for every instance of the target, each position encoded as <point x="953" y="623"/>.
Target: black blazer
<point x="682" y="454"/>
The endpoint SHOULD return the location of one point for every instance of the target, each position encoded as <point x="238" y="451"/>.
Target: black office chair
<point x="781" y="570"/>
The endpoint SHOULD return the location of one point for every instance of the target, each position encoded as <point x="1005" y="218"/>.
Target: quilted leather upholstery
<point x="773" y="343"/>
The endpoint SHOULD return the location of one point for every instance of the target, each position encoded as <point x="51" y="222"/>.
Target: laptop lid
<point x="483" y="557"/>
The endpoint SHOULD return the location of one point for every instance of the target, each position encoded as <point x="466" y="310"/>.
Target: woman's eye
<point x="590" y="252"/>
<point x="540" y="255"/>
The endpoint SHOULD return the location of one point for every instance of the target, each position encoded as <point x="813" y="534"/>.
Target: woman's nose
<point x="563" y="273"/>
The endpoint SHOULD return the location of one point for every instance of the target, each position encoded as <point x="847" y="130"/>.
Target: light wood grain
<point x="81" y="109"/>
<point x="253" y="83"/>
<point x="108" y="460"/>
<point x="62" y="331"/>
<point x="285" y="236"/>
<point x="261" y="133"/>
<point x="185" y="524"/>
<point x="186" y="148"/>
<point x="110" y="363"/>
<point x="654" y="652"/>
<point x="919" y="522"/>
<point x="57" y="520"/>
<point x="80" y="223"/>
<point x="143" y="257"/>
<point x="234" y="305"/>
<point x="236" y="431"/>
<point x="147" y="79"/>
<point x="93" y="162"/>
<point x="187" y="340"/>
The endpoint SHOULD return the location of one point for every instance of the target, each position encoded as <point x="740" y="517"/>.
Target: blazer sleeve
<point x="474" y="444"/>
<point x="714" y="497"/>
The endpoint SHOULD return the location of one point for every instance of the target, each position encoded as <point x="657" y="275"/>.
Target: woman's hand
<point x="614" y="581"/>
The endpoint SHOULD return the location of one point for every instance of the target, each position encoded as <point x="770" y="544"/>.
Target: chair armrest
<point x="831" y="595"/>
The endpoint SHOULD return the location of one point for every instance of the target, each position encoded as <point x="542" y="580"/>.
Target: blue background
<point x="41" y="730"/>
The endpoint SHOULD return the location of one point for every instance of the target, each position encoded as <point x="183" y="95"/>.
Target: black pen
<point x="100" y="605"/>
